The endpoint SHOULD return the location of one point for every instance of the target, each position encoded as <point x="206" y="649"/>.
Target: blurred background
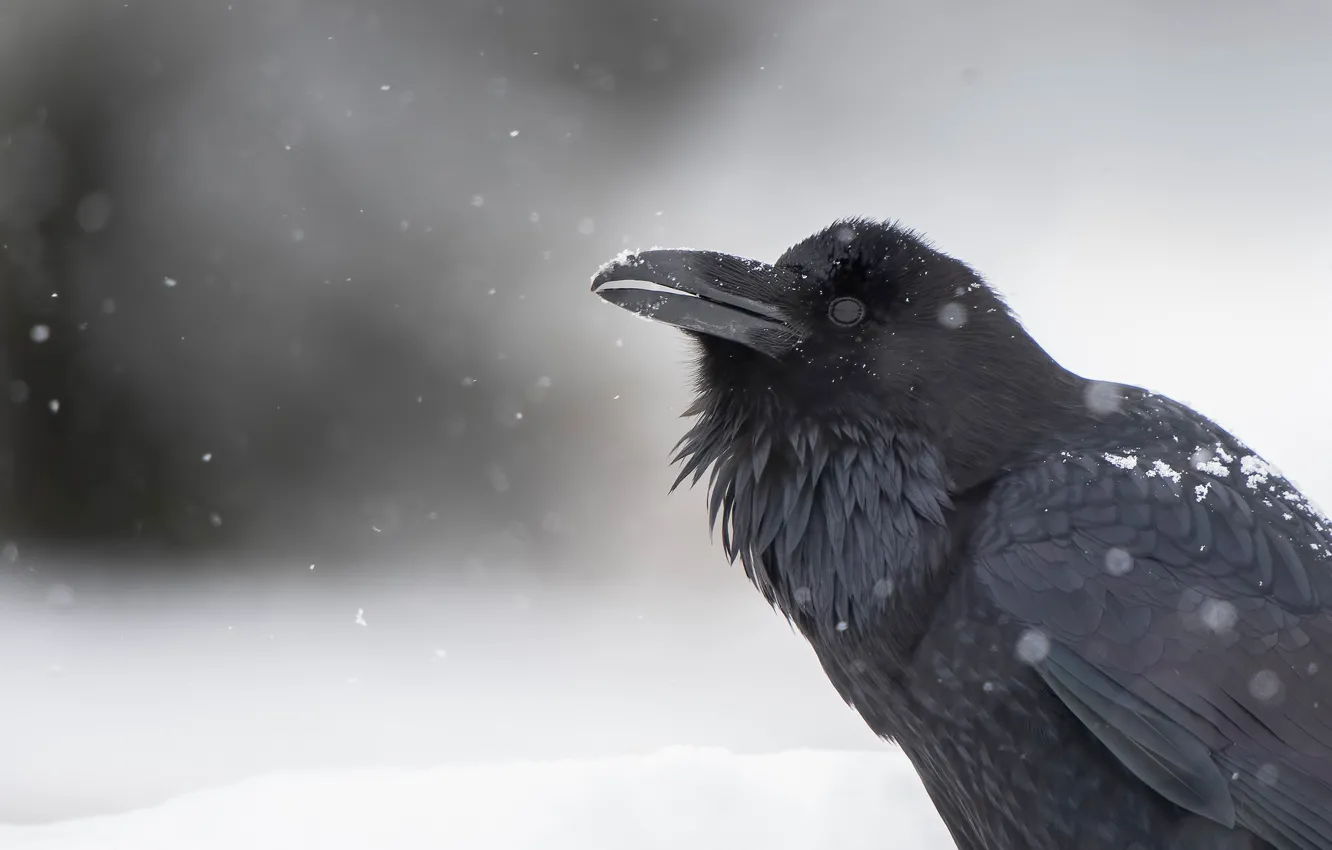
<point x="316" y="452"/>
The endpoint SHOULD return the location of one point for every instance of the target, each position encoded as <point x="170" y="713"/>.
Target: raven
<point x="1090" y="617"/>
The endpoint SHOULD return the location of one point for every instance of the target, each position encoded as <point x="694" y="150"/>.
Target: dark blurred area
<point x="287" y="278"/>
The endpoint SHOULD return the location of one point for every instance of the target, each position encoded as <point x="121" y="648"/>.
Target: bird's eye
<point x="846" y="312"/>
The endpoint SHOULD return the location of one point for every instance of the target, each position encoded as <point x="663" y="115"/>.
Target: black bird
<point x="1090" y="617"/>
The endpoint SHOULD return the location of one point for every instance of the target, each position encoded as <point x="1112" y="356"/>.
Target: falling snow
<point x="60" y="595"/>
<point x="1033" y="646"/>
<point x="1118" y="562"/>
<point x="1268" y="774"/>
<point x="953" y="315"/>
<point x="1103" y="398"/>
<point x="93" y="212"/>
<point x="1218" y="615"/>
<point x="1265" y="685"/>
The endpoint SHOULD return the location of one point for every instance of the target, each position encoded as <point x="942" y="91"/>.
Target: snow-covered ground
<point x="124" y="696"/>
<point x="675" y="798"/>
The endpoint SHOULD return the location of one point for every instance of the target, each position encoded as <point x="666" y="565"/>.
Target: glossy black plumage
<point x="1090" y="617"/>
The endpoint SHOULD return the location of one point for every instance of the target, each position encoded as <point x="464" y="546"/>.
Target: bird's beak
<point x="706" y="292"/>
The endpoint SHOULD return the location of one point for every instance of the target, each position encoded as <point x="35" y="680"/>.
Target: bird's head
<point x="861" y="321"/>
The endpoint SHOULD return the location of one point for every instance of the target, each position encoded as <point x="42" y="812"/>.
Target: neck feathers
<point x="835" y="522"/>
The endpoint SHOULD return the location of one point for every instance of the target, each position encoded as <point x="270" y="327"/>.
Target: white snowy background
<point x="1147" y="183"/>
